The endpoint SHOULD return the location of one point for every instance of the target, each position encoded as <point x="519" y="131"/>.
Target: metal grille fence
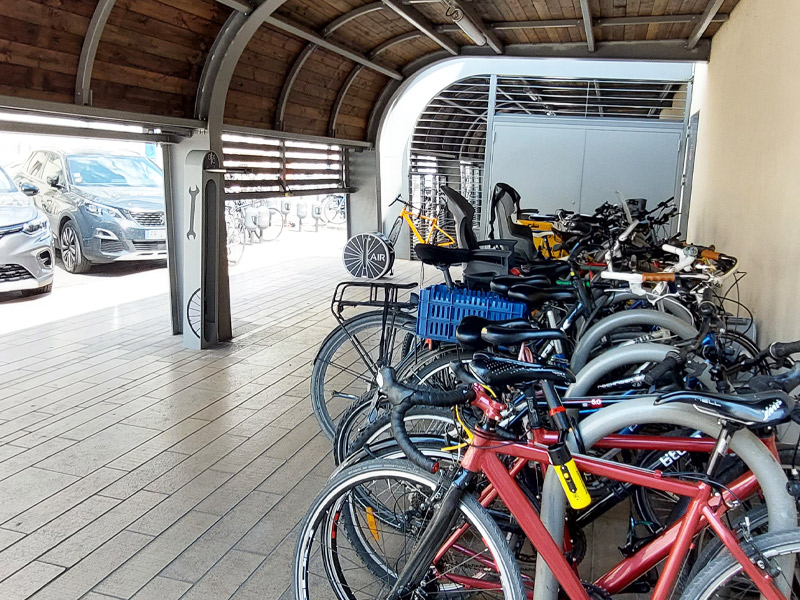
<point x="448" y="145"/>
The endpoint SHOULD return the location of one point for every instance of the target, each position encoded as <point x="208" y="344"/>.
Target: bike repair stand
<point x="196" y="229"/>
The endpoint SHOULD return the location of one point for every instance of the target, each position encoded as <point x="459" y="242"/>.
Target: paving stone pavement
<point x="132" y="468"/>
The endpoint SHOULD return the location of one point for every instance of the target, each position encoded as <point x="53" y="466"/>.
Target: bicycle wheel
<point x="194" y="312"/>
<point x="386" y="505"/>
<point x="235" y="238"/>
<point x="368" y="255"/>
<point x="723" y="576"/>
<point x="334" y="210"/>
<point x="344" y="368"/>
<point x="274" y="225"/>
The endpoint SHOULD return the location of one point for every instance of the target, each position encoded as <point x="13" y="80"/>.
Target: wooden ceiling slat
<point x="152" y="51"/>
<point x="47" y="17"/>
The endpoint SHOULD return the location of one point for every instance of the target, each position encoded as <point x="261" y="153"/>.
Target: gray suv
<point x="102" y="208"/>
<point x="26" y="244"/>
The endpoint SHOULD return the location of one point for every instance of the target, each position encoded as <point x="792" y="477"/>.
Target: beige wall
<point x="746" y="196"/>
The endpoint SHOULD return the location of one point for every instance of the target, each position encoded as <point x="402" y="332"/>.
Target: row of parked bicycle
<point x="481" y="427"/>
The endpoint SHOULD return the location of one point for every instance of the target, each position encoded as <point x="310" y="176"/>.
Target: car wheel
<point x="71" y="251"/>
<point x="45" y="289"/>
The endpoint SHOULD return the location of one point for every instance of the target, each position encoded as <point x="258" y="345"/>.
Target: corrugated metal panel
<point x="448" y="147"/>
<point x="281" y="167"/>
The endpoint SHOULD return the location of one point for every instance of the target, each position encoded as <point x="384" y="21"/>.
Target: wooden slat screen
<point x="268" y="168"/>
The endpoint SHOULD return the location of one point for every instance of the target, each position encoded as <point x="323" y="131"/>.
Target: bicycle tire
<point x="323" y="516"/>
<point x="274" y="227"/>
<point x="724" y="567"/>
<point x="338" y="339"/>
<point x="236" y="233"/>
<point x="335" y="210"/>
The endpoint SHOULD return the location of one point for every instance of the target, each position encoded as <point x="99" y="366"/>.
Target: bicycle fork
<point x="436" y="534"/>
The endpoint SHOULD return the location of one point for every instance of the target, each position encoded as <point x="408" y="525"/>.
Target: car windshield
<point x="7" y="195"/>
<point x="123" y="171"/>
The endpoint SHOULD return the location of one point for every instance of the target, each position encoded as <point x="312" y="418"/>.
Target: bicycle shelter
<point x="357" y="97"/>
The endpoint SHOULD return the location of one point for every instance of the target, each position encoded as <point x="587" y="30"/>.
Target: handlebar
<point x="781" y="350"/>
<point x="401" y="201"/>
<point x="402" y="398"/>
<point x="787" y="381"/>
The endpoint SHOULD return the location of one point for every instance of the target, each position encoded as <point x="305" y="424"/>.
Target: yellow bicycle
<point x="371" y="255"/>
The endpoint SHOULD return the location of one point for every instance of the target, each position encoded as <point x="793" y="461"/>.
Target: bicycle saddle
<point x="441" y="256"/>
<point x="535" y="296"/>
<point x="468" y="332"/>
<point x="551" y="269"/>
<point x="506" y="336"/>
<point x="762" y="408"/>
<point x="494" y="370"/>
<point x="502" y="284"/>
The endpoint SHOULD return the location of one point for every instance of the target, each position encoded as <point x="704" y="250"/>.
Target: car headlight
<point x="37" y="225"/>
<point x="101" y="210"/>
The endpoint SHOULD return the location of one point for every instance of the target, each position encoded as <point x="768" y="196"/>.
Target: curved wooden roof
<point x="314" y="66"/>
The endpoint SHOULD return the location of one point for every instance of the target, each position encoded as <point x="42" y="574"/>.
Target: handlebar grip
<point x="658" y="277"/>
<point x="710" y="254"/>
<point x="780" y="350"/>
<point x="659" y="370"/>
<point x="401" y="437"/>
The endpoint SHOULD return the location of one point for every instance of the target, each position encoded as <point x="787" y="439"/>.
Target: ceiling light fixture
<point x="470" y="29"/>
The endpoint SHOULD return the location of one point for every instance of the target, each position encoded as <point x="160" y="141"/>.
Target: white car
<point x="26" y="242"/>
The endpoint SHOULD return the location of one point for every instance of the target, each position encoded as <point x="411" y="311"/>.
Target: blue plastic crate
<point x="441" y="310"/>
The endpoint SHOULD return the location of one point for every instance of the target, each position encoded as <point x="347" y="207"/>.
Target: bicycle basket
<point x="441" y="310"/>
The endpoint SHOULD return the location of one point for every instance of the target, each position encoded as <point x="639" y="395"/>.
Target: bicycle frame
<point x="706" y="508"/>
<point x="409" y="216"/>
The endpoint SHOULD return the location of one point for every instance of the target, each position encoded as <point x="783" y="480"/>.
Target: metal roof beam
<point x="705" y="20"/>
<point x="671" y="50"/>
<point x="337" y="105"/>
<point x="546" y="24"/>
<point x="413" y="16"/>
<point x="83" y="79"/>
<point x="239" y="5"/>
<point x="398" y="39"/>
<point x="334" y="47"/>
<point x="349" y="16"/>
<point x="288" y="83"/>
<point x="567" y="23"/>
<point x="656" y="20"/>
<point x="586" y="12"/>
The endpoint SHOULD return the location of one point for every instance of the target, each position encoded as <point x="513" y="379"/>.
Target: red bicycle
<point x="408" y="534"/>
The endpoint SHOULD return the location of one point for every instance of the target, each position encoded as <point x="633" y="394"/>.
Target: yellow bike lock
<point x="570" y="477"/>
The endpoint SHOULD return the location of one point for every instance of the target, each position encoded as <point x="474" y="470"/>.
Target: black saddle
<point x="494" y="370"/>
<point x="535" y="297"/>
<point x="552" y="269"/>
<point x="441" y="256"/>
<point x="468" y="332"/>
<point x="506" y="336"/>
<point x="762" y="408"/>
<point x="502" y="284"/>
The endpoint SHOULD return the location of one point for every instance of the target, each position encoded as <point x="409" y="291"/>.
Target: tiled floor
<point x="131" y="468"/>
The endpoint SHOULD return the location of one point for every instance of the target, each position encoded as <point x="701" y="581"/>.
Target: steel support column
<point x="486" y="208"/>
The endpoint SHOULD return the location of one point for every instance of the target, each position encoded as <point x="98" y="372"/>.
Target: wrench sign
<point x="193" y="191"/>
